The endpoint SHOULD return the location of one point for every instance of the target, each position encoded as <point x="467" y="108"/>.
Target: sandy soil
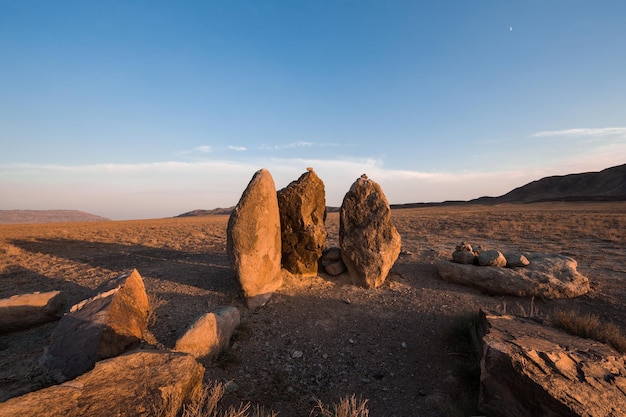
<point x="317" y="338"/>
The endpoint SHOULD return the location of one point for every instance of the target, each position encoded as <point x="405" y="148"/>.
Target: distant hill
<point x="606" y="185"/>
<point x="212" y="212"/>
<point x="47" y="216"/>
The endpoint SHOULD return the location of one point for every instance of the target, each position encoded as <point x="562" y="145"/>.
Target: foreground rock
<point x="210" y="334"/>
<point x="528" y="369"/>
<point x="547" y="276"/>
<point x="369" y="241"/>
<point x="253" y="240"/>
<point x="100" y="327"/>
<point x="302" y="207"/>
<point x="27" y="310"/>
<point x="136" y="384"/>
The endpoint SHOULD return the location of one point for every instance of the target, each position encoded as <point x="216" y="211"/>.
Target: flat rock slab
<point x="135" y="384"/>
<point x="28" y="310"/>
<point x="548" y="276"/>
<point x="530" y="369"/>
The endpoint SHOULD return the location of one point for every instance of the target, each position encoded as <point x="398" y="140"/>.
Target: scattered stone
<point x="547" y="276"/>
<point x="253" y="240"/>
<point x="100" y="327"/>
<point x="334" y="268"/>
<point x="297" y="354"/>
<point x="516" y="260"/>
<point x="302" y="206"/>
<point x="133" y="385"/>
<point x="464" y="247"/>
<point x="24" y="311"/>
<point x="464" y="257"/>
<point x="369" y="241"/>
<point x="491" y="258"/>
<point x="331" y="254"/>
<point x="210" y="333"/>
<point x="529" y="369"/>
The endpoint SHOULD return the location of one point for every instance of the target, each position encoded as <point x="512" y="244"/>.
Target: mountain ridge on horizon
<point x="606" y="185"/>
<point x="48" y="216"/>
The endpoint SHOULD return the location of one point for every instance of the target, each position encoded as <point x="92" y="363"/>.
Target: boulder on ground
<point x="210" y="333"/>
<point x="253" y="240"/>
<point x="369" y="241"/>
<point x="547" y="276"/>
<point x="136" y="384"/>
<point x="491" y="258"/>
<point x="24" y="311"/>
<point x="529" y="369"/>
<point x="516" y="260"/>
<point x="100" y="327"/>
<point x="302" y="206"/>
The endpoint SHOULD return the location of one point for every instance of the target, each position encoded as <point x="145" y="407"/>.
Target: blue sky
<point x="140" y="109"/>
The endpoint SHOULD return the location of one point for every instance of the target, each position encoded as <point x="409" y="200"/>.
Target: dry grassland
<point x="317" y="339"/>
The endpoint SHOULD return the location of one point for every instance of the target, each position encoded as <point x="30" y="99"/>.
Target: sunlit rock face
<point x="253" y="240"/>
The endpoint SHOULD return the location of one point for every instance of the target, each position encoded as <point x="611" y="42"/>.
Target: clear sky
<point x="140" y="109"/>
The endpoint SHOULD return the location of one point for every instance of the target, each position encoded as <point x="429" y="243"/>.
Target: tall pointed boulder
<point x="302" y="206"/>
<point x="253" y="240"/>
<point x="369" y="241"/>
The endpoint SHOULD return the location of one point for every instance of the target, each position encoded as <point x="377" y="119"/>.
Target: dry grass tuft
<point x="591" y="327"/>
<point x="208" y="405"/>
<point x="347" y="407"/>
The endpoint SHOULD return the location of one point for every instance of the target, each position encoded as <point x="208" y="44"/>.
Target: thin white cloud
<point x="237" y="148"/>
<point x="300" y="144"/>
<point x="605" y="131"/>
<point x="203" y="149"/>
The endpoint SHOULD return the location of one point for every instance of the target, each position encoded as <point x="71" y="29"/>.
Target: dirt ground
<point x="317" y="338"/>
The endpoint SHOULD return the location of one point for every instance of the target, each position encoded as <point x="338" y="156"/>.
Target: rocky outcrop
<point x="136" y="384"/>
<point x="547" y="276"/>
<point x="210" y="333"/>
<point x="529" y="369"/>
<point x="302" y="206"/>
<point x="27" y="310"/>
<point x="100" y="327"/>
<point x="253" y="240"/>
<point x="369" y="241"/>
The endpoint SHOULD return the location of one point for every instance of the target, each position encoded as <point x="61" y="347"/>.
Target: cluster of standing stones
<point x="271" y="233"/>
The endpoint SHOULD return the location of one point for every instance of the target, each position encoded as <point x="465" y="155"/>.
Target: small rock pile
<point x="476" y="255"/>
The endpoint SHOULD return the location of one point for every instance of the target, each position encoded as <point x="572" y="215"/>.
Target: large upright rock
<point x="370" y="243"/>
<point x="302" y="207"/>
<point x="138" y="384"/>
<point x="253" y="240"/>
<point x="100" y="327"/>
<point x="529" y="369"/>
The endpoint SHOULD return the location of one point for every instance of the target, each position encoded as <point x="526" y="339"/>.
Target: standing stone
<point x="370" y="243"/>
<point x="100" y="327"/>
<point x="302" y="207"/>
<point x="253" y="240"/>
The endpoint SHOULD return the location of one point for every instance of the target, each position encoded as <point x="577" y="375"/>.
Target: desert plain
<point x="318" y="338"/>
